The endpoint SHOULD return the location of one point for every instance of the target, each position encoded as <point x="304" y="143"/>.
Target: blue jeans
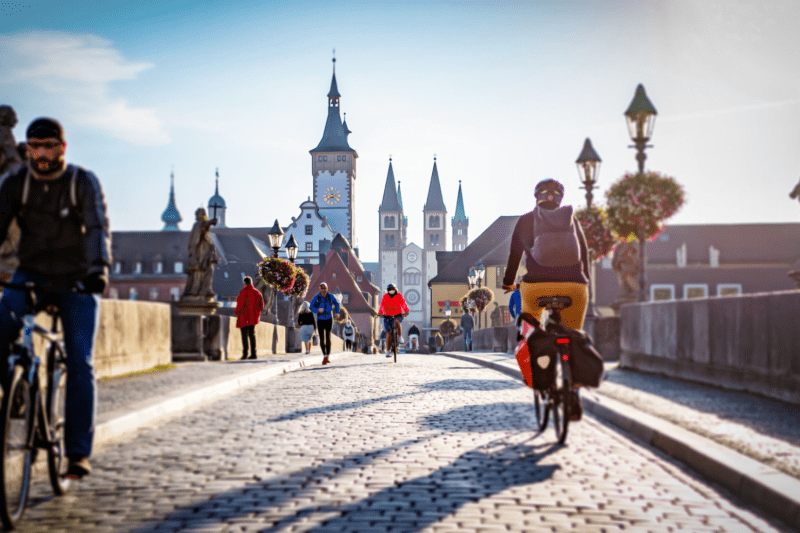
<point x="79" y="317"/>
<point x="467" y="339"/>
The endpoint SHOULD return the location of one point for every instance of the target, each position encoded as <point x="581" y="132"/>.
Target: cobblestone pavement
<point x="764" y="429"/>
<point x="430" y="444"/>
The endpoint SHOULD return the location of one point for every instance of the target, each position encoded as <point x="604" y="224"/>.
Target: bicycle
<point x="396" y="335"/>
<point x="27" y="425"/>
<point x="558" y="396"/>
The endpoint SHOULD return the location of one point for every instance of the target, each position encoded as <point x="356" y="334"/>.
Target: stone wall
<point x="749" y="342"/>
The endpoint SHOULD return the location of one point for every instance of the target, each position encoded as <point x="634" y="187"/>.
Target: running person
<point x="64" y="239"/>
<point x="563" y="280"/>
<point x="323" y="305"/>
<point x="392" y="305"/>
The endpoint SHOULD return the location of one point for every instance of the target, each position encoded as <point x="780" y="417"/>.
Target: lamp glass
<point x="473" y="276"/>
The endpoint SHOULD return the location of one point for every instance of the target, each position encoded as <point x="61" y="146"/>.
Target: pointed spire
<point x="334" y="92"/>
<point x="390" y="200"/>
<point x="344" y="125"/>
<point x="435" y="202"/>
<point x="399" y="196"/>
<point x="171" y="217"/>
<point x="334" y="138"/>
<point x="460" y="215"/>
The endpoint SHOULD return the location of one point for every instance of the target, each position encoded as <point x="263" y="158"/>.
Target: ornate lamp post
<point x="472" y="278"/>
<point x="641" y="117"/>
<point x="588" y="163"/>
<point x="480" y="270"/>
<point x="291" y="253"/>
<point x="447" y="312"/>
<point x="275" y="241"/>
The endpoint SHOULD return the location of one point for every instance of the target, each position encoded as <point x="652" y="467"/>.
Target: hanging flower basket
<point x="482" y="298"/>
<point x="278" y="273"/>
<point x="447" y="328"/>
<point x="343" y="314"/>
<point x="300" y="287"/>
<point x="466" y="304"/>
<point x="639" y="203"/>
<point x="600" y="240"/>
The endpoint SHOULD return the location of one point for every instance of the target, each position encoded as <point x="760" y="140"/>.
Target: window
<point x="319" y="158"/>
<point x="338" y="158"/>
<point x="729" y="289"/>
<point x="388" y="221"/>
<point x="662" y="292"/>
<point x="178" y="267"/>
<point x="137" y="268"/>
<point x="695" y="290"/>
<point x="226" y="275"/>
<point x="499" y="272"/>
<point x="344" y="158"/>
<point x="333" y="275"/>
<point x="133" y="293"/>
<point x="309" y="247"/>
<point x="434" y="240"/>
<point x="411" y="278"/>
<point x="460" y="232"/>
<point x="159" y="268"/>
<point x="324" y="157"/>
<point x="174" y="294"/>
<point x="433" y="221"/>
<point x="309" y="229"/>
<point x="308" y="215"/>
<point x="389" y="241"/>
<point x="117" y="267"/>
<point x="345" y="298"/>
<point x="154" y="293"/>
<point x="359" y="278"/>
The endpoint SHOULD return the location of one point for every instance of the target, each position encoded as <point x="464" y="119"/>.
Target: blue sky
<point x="503" y="93"/>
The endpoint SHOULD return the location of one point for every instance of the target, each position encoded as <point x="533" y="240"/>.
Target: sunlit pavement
<point x="428" y="444"/>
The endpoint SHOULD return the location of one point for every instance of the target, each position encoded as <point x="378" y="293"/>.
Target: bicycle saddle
<point x="554" y="302"/>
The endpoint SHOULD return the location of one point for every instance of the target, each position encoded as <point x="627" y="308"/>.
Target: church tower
<point x="391" y="231"/>
<point x="460" y="224"/>
<point x="171" y="217"/>
<point x="333" y="168"/>
<point x="435" y="215"/>
<point x="216" y="206"/>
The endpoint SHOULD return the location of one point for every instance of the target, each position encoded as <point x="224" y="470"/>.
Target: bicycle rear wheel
<point x="541" y="406"/>
<point x="15" y="453"/>
<point x="57" y="462"/>
<point x="561" y="406"/>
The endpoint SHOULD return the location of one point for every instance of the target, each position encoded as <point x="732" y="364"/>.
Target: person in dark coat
<point x="249" y="305"/>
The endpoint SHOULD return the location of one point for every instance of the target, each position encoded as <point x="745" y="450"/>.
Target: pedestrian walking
<point x="305" y="319"/>
<point x="249" y="305"/>
<point x="438" y="341"/>
<point x="323" y="304"/>
<point x="467" y="325"/>
<point x="64" y="240"/>
<point x="349" y="333"/>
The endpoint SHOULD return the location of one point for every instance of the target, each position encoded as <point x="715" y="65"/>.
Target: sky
<point x="502" y="93"/>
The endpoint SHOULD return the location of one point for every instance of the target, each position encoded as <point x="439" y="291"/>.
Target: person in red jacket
<point x="249" y="304"/>
<point x="394" y="309"/>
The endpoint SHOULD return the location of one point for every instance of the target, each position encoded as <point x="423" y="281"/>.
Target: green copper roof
<point x="334" y="138"/>
<point x="460" y="215"/>
<point x="171" y="216"/>
<point x="399" y="196"/>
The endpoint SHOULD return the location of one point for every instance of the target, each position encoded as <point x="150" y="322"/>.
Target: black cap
<point x="390" y="287"/>
<point x="45" y="128"/>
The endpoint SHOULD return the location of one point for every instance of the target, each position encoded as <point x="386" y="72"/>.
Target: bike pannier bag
<point x="586" y="363"/>
<point x="536" y="354"/>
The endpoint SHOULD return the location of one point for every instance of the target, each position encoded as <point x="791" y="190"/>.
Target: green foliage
<point x="638" y="204"/>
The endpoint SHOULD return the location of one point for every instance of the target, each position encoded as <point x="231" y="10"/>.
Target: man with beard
<point x="64" y="244"/>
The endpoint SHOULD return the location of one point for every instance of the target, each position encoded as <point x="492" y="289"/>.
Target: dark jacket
<point x="306" y="319"/>
<point x="58" y="240"/>
<point x="467" y="322"/>
<point x="522" y="242"/>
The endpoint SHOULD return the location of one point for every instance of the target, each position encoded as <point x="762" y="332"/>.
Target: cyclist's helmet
<point x="391" y="287"/>
<point x="549" y="192"/>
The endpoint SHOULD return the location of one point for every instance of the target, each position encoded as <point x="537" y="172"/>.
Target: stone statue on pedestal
<point x="9" y="154"/>
<point x="202" y="258"/>
<point x="625" y="263"/>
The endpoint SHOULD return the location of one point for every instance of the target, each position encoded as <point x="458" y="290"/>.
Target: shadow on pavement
<point x="406" y="506"/>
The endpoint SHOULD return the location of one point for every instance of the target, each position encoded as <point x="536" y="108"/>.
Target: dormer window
<point x="159" y="268"/>
<point x="178" y="267"/>
<point x="117" y="267"/>
<point x="137" y="268"/>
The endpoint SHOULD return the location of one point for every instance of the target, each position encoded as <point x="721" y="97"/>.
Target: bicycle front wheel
<point x="56" y="413"/>
<point x="16" y="453"/>
<point x="541" y="406"/>
<point x="561" y="406"/>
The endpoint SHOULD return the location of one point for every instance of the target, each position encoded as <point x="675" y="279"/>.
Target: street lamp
<point x="275" y="241"/>
<point x="588" y="163"/>
<point x="480" y="270"/>
<point x="588" y="167"/>
<point x="447" y="313"/>
<point x="641" y="117"/>
<point x="291" y="253"/>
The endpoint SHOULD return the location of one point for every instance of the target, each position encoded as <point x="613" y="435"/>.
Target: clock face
<point x="332" y="196"/>
<point x="412" y="256"/>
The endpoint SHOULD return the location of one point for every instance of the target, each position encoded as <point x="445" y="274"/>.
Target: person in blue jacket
<point x="323" y="305"/>
<point x="515" y="303"/>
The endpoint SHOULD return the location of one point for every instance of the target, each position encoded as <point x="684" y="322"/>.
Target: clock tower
<point x="333" y="167"/>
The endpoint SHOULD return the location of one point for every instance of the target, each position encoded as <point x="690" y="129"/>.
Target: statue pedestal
<point x="196" y="329"/>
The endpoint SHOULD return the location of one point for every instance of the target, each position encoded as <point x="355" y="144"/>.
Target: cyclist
<point x="548" y="276"/>
<point x="392" y="306"/>
<point x="64" y="240"/>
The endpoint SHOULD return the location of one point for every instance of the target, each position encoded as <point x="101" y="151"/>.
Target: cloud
<point x="77" y="70"/>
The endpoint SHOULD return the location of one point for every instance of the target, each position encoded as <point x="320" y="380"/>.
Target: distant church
<point x="410" y="266"/>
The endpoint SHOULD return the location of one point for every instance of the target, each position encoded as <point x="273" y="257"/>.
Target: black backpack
<point x="556" y="239"/>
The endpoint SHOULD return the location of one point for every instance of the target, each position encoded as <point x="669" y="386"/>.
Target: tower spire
<point x="171" y="217"/>
<point x="390" y="200"/>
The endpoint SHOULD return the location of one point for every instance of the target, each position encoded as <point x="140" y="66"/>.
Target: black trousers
<point x="249" y="332"/>
<point x="324" y="327"/>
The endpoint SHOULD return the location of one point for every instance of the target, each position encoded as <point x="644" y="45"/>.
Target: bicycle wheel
<point x="561" y="390"/>
<point x="16" y="453"/>
<point x="394" y="344"/>
<point x="541" y="407"/>
<point x="56" y="414"/>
